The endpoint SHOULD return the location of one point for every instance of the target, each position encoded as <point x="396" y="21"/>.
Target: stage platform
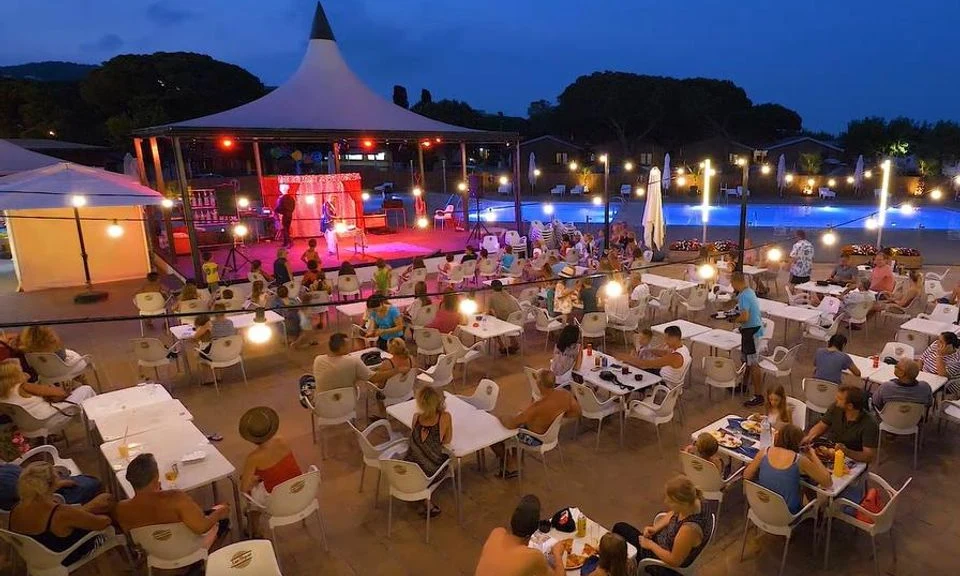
<point x="397" y="249"/>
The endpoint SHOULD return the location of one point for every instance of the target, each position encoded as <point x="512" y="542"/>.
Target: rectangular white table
<point x="133" y="421"/>
<point x="240" y="321"/>
<point x="865" y="365"/>
<point x="489" y="327"/>
<point x="506" y="280"/>
<point x="355" y="309"/>
<point x="544" y="541"/>
<point x="767" y="306"/>
<point x="687" y="329"/>
<point x="665" y="282"/>
<point x="753" y="270"/>
<point x="473" y="429"/>
<point x="718" y="339"/>
<point x="928" y="327"/>
<point x="110" y="403"/>
<point x="811" y="286"/>
<point x="591" y="375"/>
<point x="885" y="374"/>
<point x="788" y="314"/>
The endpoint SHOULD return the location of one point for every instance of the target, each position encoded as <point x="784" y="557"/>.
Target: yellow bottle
<point x="838" y="463"/>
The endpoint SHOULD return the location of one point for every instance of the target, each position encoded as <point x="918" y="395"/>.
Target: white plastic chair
<point x="721" y="372"/>
<point x="293" y="502"/>
<point x="331" y="408"/>
<point x="696" y="301"/>
<point x="796" y="298"/>
<point x="453" y="280"/>
<point x="819" y="333"/>
<point x="469" y="270"/>
<point x="549" y="441"/>
<point x="708" y="478"/>
<point x="656" y="414"/>
<point x="246" y="558"/>
<point x="224" y="352"/>
<point x="547" y="325"/>
<point x="398" y="388"/>
<point x="424" y="316"/>
<point x="897" y="350"/>
<point x="440" y="374"/>
<point x="915" y="339"/>
<point x="901" y="419"/>
<point x="319" y="301"/>
<point x="170" y="546"/>
<point x="942" y="313"/>
<point x="529" y="295"/>
<point x="690" y="570"/>
<point x="357" y="332"/>
<point x="937" y="277"/>
<point x="487" y="269"/>
<point x="51" y="369"/>
<point x="150" y="304"/>
<point x="54" y="454"/>
<point x="857" y="315"/>
<point x="409" y="483"/>
<point x="626" y="190"/>
<point x="442" y="216"/>
<point x="664" y="302"/>
<point x="41" y="561"/>
<point x="464" y="355"/>
<point x="485" y="395"/>
<point x="594" y="325"/>
<point x="372" y="452"/>
<point x="798" y="411"/>
<point x="882" y="521"/>
<point x="198" y="306"/>
<point x="769" y="513"/>
<point x="558" y="190"/>
<point x="630" y="323"/>
<point x="592" y="408"/>
<point x="531" y="375"/>
<point x="763" y="343"/>
<point x="31" y="427"/>
<point x="348" y="286"/>
<point x="915" y="308"/>
<point x="519" y="246"/>
<point x="429" y="342"/>
<point x="151" y="353"/>
<point x="491" y="243"/>
<point x="780" y="363"/>
<point x="934" y="291"/>
<point x="819" y="395"/>
<point x="418" y="275"/>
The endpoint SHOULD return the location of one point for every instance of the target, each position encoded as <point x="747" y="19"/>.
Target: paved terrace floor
<point x="610" y="484"/>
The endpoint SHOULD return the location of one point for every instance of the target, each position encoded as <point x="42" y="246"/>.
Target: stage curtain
<point x="341" y="191"/>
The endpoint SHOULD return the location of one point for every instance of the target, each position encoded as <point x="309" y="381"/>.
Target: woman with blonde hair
<point x="51" y="523"/>
<point x="679" y="535"/>
<point x="432" y="430"/>
<point x="50" y="404"/>
<point x="43" y="339"/>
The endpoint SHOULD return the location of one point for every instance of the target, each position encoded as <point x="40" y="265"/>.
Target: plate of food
<point x="825" y="454"/>
<point x="576" y="553"/>
<point x="750" y="426"/>
<point x="727" y="440"/>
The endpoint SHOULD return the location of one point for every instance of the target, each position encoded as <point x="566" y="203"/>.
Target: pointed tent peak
<point x="321" y="26"/>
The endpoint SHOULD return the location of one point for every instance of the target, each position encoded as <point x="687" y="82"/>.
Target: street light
<point x="606" y="197"/>
<point x="765" y="169"/>
<point x="887" y="168"/>
<point x="851" y="179"/>
<point x="573" y="166"/>
<point x="243" y="202"/>
<point x="628" y="166"/>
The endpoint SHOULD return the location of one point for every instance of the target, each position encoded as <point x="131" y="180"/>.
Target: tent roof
<point x="323" y="100"/>
<point x="13" y="159"/>
<point x="54" y="186"/>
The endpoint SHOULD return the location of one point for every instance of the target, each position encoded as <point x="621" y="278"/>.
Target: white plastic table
<point x="865" y="365"/>
<point x="885" y="374"/>
<point x="718" y="339"/>
<point x="687" y="329"/>
<point x="109" y="403"/>
<point x="665" y="282"/>
<point x="489" y="327"/>
<point x="354" y="309"/>
<point x="133" y="421"/>
<point x="591" y="375"/>
<point x="545" y="541"/>
<point x="240" y="321"/>
<point x="929" y="327"/>
<point x="767" y="306"/>
<point x="473" y="429"/>
<point x="790" y="313"/>
<point x="384" y="355"/>
<point x="506" y="280"/>
<point x="831" y="289"/>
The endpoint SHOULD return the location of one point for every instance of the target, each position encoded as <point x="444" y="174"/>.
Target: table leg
<point x="238" y="531"/>
<point x="458" y="481"/>
<point x="826" y="547"/>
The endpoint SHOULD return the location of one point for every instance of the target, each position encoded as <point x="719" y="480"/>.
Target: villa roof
<point x="560" y="141"/>
<point x="799" y="139"/>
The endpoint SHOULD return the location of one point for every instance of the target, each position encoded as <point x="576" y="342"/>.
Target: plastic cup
<point x="124" y="451"/>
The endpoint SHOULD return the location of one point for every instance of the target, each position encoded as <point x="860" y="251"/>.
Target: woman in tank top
<point x="270" y="464"/>
<point x="779" y="467"/>
<point x="432" y="431"/>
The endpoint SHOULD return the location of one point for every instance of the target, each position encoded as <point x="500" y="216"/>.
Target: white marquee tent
<point x="15" y="159"/>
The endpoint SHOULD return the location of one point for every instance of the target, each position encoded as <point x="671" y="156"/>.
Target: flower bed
<point x="687" y="249"/>
<point x="859" y="253"/>
<point x="905" y="257"/>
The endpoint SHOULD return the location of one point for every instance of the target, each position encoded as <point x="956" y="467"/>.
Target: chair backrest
<point x="594" y="322"/>
<point x="897" y="350"/>
<point x="698" y="297"/>
<point x="767" y="505"/>
<point x="511" y="237"/>
<point x="858" y="312"/>
<point x="543" y="320"/>
<point x="670" y="401"/>
<point x="667" y="298"/>
<point x="193" y="306"/>
<point x="295" y="494"/>
<point x="452" y="345"/>
<point x="572" y="257"/>
<point x="428" y="338"/>
<point x="830" y="304"/>
<point x="336" y="403"/>
<point x="917" y="340"/>
<point x="407" y="288"/>
<point x="491" y="243"/>
<point x="424" y="315"/>
<point x="819" y="392"/>
<point x="456" y="275"/>
<point x="517" y="318"/>
<point x="47" y="364"/>
<point x="934" y="287"/>
<point x="24" y="421"/>
<point x="468" y="268"/>
<point x="488" y="266"/>
<point x="798" y="411"/>
<point x="449" y="209"/>
<point x="318" y="298"/>
<point x="370" y="451"/>
<point x="485" y="396"/>
<point x="703" y="473"/>
<point x="226" y="349"/>
<point x="443" y="372"/>
<point x="786" y="363"/>
<point x="768" y="327"/>
<point x="529" y="294"/>
<point x="625" y="189"/>
<point x="552" y="436"/>
<point x="418" y="275"/>
<point x="719" y="369"/>
<point x="885" y="518"/>
<point x="348" y="283"/>
<point x="944" y="313"/>
<point x="400" y="385"/>
<point x="587" y="399"/>
<point x="531" y="374"/>
<point x="168" y="541"/>
<point x="149" y="301"/>
<point x="902" y="415"/>
<point x="36" y="556"/>
<point x="246" y="558"/>
<point x="148" y="349"/>
<point x="403" y="476"/>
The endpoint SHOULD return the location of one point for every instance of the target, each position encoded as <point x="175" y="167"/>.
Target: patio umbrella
<point x="666" y="172"/>
<point x="781" y="173"/>
<point x="858" y="174"/>
<point x="532" y="170"/>
<point x="654" y="225"/>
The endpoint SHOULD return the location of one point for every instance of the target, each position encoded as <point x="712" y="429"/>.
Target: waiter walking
<point x="286" y="205"/>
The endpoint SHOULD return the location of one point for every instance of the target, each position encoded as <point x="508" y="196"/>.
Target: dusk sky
<point x="830" y="61"/>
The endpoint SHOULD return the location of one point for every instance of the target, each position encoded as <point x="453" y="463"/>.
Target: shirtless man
<point x="538" y="416"/>
<point x="151" y="505"/>
<point x="505" y="553"/>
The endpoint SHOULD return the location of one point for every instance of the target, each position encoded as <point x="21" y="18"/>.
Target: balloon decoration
<point x="297" y="155"/>
<point x="276" y="153"/>
<point x="317" y="157"/>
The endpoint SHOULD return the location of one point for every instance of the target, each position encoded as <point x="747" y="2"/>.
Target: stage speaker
<point x="226" y="199"/>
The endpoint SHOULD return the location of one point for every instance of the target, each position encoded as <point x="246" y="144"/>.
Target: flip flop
<point x="434" y="512"/>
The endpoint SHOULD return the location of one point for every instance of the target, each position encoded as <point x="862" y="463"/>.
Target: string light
<point x="628" y="166"/>
<point x="422" y="222"/>
<point x="681" y="181"/>
<point x="115" y="230"/>
<point x="774" y="255"/>
<point x="603" y="158"/>
<point x="831" y="182"/>
<point x="765" y="169"/>
<point x="311" y="199"/>
<point x="166" y="203"/>
<point x="504" y="180"/>
<point x="956" y="179"/>
<point x="871" y="223"/>
<point x="640" y="189"/>
<point x="573" y="166"/>
<point x="597" y="200"/>
<point x="936" y="194"/>
<point x="417" y="191"/>
<point x="78" y="200"/>
<point x="741" y="161"/>
<point x="536" y="172"/>
<point x="462" y="186"/>
<point x="468" y="306"/>
<point x="240" y="230"/>
<point x="829" y="238"/>
<point x="243" y="202"/>
<point x="868" y="174"/>
<point x="811" y="181"/>
<point x="706" y="271"/>
<point x="907" y="209"/>
<point x="851" y="179"/>
<point x="548" y="209"/>
<point x="788" y="178"/>
<point x="364" y="196"/>
<point x="680" y="170"/>
<point x="613" y="289"/>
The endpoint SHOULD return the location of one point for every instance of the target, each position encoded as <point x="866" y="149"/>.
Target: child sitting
<point x="706" y="447"/>
<point x="643" y="345"/>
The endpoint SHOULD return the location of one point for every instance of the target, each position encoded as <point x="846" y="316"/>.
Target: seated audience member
<point x="346" y="269"/>
<point x="43" y="339"/>
<point x="643" y="344"/>
<point x="270" y="464"/>
<point x="537" y="417"/>
<point x="258" y="274"/>
<point x="844" y="272"/>
<point x="613" y="559"/>
<point x="446" y="266"/>
<point x="187" y="293"/>
<point x="565" y="297"/>
<point x="420" y="299"/>
<point x="448" y="317"/>
<point x="218" y="326"/>
<point x="506" y="552"/>
<point x="57" y="526"/>
<point x="508" y="258"/>
<point x="310" y="281"/>
<point x="258" y="295"/>
<point x="73" y="489"/>
<point x="679" y="536"/>
<point x="44" y="402"/>
<point x="469" y="253"/>
<point x="881" y="275"/>
<point x="338" y="369"/>
<point x="588" y="296"/>
<point x="857" y="294"/>
<point x="400" y="363"/>
<point x="566" y="354"/>
<point x="670" y="362"/>
<point x="779" y="467"/>
<point x="776" y="409"/>
<point x="849" y="426"/>
<point x="416" y="264"/>
<point x="387" y="320"/>
<point x="911" y="291"/>
<point x="830" y="362"/>
<point x="501" y="305"/>
<point x="152" y="505"/>
<point x="707" y="447"/>
<point x="281" y="268"/>
<point x="153" y="285"/>
<point x="430" y="435"/>
<point x="10" y="350"/>
<point x="942" y="356"/>
<point x="904" y="387"/>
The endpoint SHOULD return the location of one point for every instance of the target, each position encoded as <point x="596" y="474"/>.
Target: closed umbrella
<point x="858" y="174"/>
<point x="781" y="173"/>
<point x="666" y="172"/>
<point x="654" y="226"/>
<point x="532" y="171"/>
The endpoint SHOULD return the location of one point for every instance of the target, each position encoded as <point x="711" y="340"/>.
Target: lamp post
<point x="744" y="164"/>
<point x="884" y="195"/>
<point x="606" y="197"/>
<point x="705" y="206"/>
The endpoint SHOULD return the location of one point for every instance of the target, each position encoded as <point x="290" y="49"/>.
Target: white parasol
<point x="781" y="173"/>
<point x="532" y="171"/>
<point x="654" y="226"/>
<point x="858" y="174"/>
<point x="666" y="172"/>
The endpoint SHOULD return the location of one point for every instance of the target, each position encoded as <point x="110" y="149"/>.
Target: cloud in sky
<point x="108" y="43"/>
<point x="162" y="14"/>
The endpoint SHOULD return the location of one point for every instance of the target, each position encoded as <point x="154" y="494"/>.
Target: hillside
<point x="47" y="71"/>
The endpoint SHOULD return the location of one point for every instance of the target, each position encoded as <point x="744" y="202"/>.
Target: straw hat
<point x="259" y="424"/>
<point x="568" y="272"/>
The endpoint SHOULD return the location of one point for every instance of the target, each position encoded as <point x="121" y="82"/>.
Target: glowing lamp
<point x="438" y="140"/>
<point x="462" y="186"/>
<point x="573" y="166"/>
<point x="774" y="255"/>
<point x="868" y="174"/>
<point x="613" y="289"/>
<point x="259" y="332"/>
<point x="829" y="238"/>
<point x="504" y="180"/>
<point x="936" y="194"/>
<point x="712" y="171"/>
<point x="422" y="222"/>
<point x="548" y="209"/>
<point x="425" y="143"/>
<point x="368" y="144"/>
<point x="78" y="200"/>
<point x="468" y="306"/>
<point x="682" y="181"/>
<point x="703" y="164"/>
<point x="640" y="190"/>
<point x="811" y="181"/>
<point x="167" y="203"/>
<point x="788" y="178"/>
<point x="851" y="179"/>
<point x="628" y="166"/>
<point x="417" y="191"/>
<point x="597" y="200"/>
<point x="240" y="230"/>
<point x="243" y="202"/>
<point x="340" y="227"/>
<point x="956" y="179"/>
<point x="364" y="196"/>
<point x="871" y="223"/>
<point x="310" y="199"/>
<point x="765" y="169"/>
<point x="536" y="172"/>
<point x="907" y="209"/>
<point x="706" y="271"/>
<point x="741" y="161"/>
<point x="680" y="170"/>
<point x="831" y="182"/>
<point x="603" y="158"/>
<point x="490" y="215"/>
<point x="227" y="143"/>
<point x="115" y="230"/>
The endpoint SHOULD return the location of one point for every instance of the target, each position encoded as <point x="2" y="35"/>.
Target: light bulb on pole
<point x="705" y="205"/>
<point x="243" y="202"/>
<point x="115" y="230"/>
<point x="167" y="203"/>
<point x="78" y="200"/>
<point x="613" y="289"/>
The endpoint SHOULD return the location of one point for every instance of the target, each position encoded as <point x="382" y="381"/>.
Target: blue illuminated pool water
<point x="758" y="215"/>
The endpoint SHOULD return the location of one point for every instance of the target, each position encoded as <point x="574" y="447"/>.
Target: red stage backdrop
<point x="341" y="192"/>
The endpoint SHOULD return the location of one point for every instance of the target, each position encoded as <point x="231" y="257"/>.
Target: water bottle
<point x="766" y="438"/>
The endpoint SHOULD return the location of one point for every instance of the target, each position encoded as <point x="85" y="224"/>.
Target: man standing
<point x="801" y="256"/>
<point x="904" y="387"/>
<point x="285" y="207"/>
<point x="751" y="329"/>
<point x="507" y="553"/>
<point x="848" y="425"/>
<point x="338" y="369"/>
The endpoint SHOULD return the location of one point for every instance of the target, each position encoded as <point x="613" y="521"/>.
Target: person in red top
<point x="448" y="317"/>
<point x="881" y="276"/>
<point x="270" y="464"/>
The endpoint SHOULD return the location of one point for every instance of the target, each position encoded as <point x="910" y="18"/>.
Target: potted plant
<point x="859" y="253"/>
<point x="905" y="257"/>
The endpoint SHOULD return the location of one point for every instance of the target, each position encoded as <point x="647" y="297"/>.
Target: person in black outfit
<point x="286" y="204"/>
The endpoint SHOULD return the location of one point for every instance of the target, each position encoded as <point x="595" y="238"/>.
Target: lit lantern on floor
<point x="259" y="332"/>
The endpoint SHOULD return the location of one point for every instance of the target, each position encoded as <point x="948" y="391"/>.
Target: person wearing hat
<point x="564" y="297"/>
<point x="506" y="551"/>
<point x="270" y="464"/>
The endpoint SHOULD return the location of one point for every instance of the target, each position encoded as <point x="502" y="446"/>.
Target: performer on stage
<point x="329" y="213"/>
<point x="286" y="205"/>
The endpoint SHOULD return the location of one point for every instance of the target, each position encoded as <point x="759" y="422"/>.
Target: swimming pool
<point x="758" y="215"/>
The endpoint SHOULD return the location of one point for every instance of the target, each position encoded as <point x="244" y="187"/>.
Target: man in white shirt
<point x="338" y="369"/>
<point x="801" y="259"/>
<point x="853" y="296"/>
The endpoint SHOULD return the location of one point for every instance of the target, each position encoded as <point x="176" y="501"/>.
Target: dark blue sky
<point x="830" y="61"/>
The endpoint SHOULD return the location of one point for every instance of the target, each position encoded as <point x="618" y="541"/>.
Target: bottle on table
<point x="766" y="436"/>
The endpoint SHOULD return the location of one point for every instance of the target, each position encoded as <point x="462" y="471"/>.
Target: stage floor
<point x="397" y="249"/>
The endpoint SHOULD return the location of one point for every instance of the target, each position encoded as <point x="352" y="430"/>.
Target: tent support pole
<point x="336" y="157"/>
<point x="517" y="210"/>
<point x="187" y="212"/>
<point x="423" y="182"/>
<point x="141" y="168"/>
<point x="465" y="201"/>
<point x="162" y="189"/>
<point x="259" y="165"/>
<point x="89" y="296"/>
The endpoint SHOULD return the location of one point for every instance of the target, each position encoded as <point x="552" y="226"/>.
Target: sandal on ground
<point x="434" y="512"/>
